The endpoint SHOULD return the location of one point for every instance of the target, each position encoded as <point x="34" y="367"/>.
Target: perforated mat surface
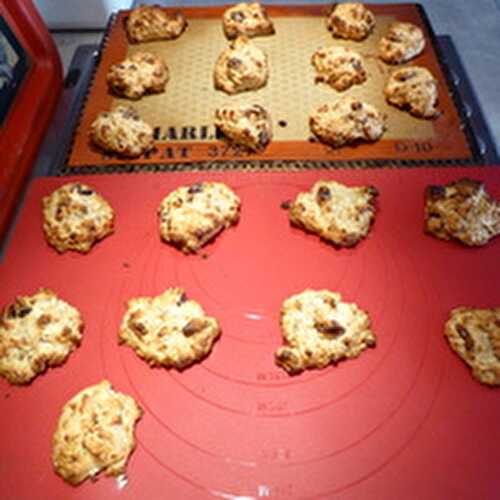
<point x="183" y="115"/>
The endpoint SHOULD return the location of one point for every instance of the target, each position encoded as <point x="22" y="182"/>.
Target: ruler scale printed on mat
<point x="404" y="420"/>
<point x="183" y="115"/>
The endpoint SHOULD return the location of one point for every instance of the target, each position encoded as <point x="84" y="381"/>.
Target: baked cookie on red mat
<point x="75" y="217"/>
<point x="94" y="434"/>
<point x="319" y="329"/>
<point x="37" y="332"/>
<point x="191" y="216"/>
<point x="337" y="213"/>
<point x="474" y="334"/>
<point x="169" y="330"/>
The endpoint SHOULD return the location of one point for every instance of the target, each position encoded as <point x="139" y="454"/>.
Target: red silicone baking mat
<point x="404" y="420"/>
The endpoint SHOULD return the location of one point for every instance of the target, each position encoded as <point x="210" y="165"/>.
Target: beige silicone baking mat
<point x="183" y="115"/>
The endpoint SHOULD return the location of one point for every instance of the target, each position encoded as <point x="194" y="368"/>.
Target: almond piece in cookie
<point x="168" y="330"/>
<point x="462" y="211"/>
<point x="319" y="329"/>
<point x="94" y="434"/>
<point x="37" y="332"/>
<point x="191" y="216"/>
<point x="122" y="132"/>
<point x="337" y="213"/>
<point x="474" y="334"/>
<point x="150" y="22"/>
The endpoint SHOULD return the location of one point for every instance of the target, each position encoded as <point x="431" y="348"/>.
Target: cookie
<point x="352" y="21"/>
<point x="122" y="132"/>
<point x="413" y="89"/>
<point x="150" y="22"/>
<point x="75" y="217"/>
<point x="242" y="66"/>
<point x="141" y="73"/>
<point x="337" y="213"/>
<point x="402" y="42"/>
<point x="94" y="434"/>
<point x="37" y="332"/>
<point x="248" y="19"/>
<point x="339" y="67"/>
<point x="462" y="211"/>
<point x="347" y="121"/>
<point x="191" y="216"/>
<point x="248" y="126"/>
<point x="319" y="329"/>
<point x="474" y="334"/>
<point x="168" y="330"/>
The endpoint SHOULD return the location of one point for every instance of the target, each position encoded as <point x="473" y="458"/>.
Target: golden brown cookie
<point x="150" y="22"/>
<point x="339" y="67"/>
<point x="37" y="332"/>
<point x="122" y="132"/>
<point x="462" y="211"/>
<point x="474" y="334"/>
<point x="75" y="217"/>
<point x="168" y="330"/>
<point x="141" y="73"/>
<point x="413" y="89"/>
<point x="337" y="213"/>
<point x="319" y="329"/>
<point x="347" y="121"/>
<point x="248" y="126"/>
<point x="191" y="216"/>
<point x="248" y="19"/>
<point x="94" y="434"/>
<point x="242" y="66"/>
<point x="402" y="42"/>
<point x="352" y="21"/>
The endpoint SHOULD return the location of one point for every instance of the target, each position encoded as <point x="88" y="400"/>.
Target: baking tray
<point x="182" y="117"/>
<point x="404" y="420"/>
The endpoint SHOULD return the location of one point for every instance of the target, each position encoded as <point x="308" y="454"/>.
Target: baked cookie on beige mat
<point x="150" y="22"/>
<point x="319" y="329"/>
<point x="462" y="211"/>
<point x="141" y="73"/>
<point x="37" y="332"/>
<point x="94" y="434"/>
<point x="352" y="21"/>
<point x="347" y="121"/>
<point x="249" y="19"/>
<point x="247" y="125"/>
<point x="122" y="132"/>
<point x="337" y="213"/>
<point x="339" y="67"/>
<point x="75" y="217"/>
<point x="193" y="215"/>
<point x="415" y="90"/>
<point x="168" y="330"/>
<point x="474" y="334"/>
<point x="240" y="67"/>
<point x="402" y="42"/>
